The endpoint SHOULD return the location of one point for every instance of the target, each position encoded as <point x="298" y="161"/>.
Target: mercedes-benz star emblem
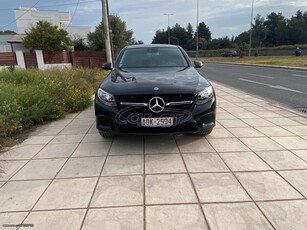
<point x="156" y="104"/>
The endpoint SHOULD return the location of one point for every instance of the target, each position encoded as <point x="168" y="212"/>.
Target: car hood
<point x="153" y="81"/>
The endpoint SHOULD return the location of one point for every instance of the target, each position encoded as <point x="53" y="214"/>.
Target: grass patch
<point x="30" y="97"/>
<point x="290" y="61"/>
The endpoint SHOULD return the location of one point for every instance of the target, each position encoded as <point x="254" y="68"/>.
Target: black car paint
<point x="146" y="81"/>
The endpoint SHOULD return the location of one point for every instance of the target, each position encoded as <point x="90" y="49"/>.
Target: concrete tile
<point x="76" y="128"/>
<point x="218" y="187"/>
<point x="115" y="219"/>
<point x="12" y="218"/>
<point x="297" y="179"/>
<point x="193" y="144"/>
<point x="21" y="195"/>
<point x="48" y="220"/>
<point x="247" y="115"/>
<point x="40" y="169"/>
<point x="38" y="140"/>
<point x="300" y="119"/>
<point x="56" y="151"/>
<point x="267" y="186"/>
<point x="9" y="168"/>
<point x="235" y="216"/>
<point x="204" y="162"/>
<point x="123" y="165"/>
<point x="160" y="144"/>
<point x="261" y="144"/>
<point x="228" y="145"/>
<point x="127" y="145"/>
<point x="285" y="215"/>
<point x="92" y="149"/>
<point x="301" y="153"/>
<point x="21" y="152"/>
<point x="86" y="115"/>
<point x="92" y="138"/>
<point x="218" y="125"/>
<point x="177" y="217"/>
<point x="274" y="131"/>
<point x="46" y="130"/>
<point x="258" y="122"/>
<point x="164" y="163"/>
<point x="82" y="122"/>
<point x="291" y="143"/>
<point x="93" y="130"/>
<point x="66" y="139"/>
<point x="256" y="109"/>
<point x="268" y="114"/>
<point x="63" y="122"/>
<point x="82" y="167"/>
<point x="244" y="161"/>
<point x="279" y="160"/>
<point x="233" y="123"/>
<point x="283" y="121"/>
<point x="171" y="188"/>
<point x="219" y="133"/>
<point x="245" y="132"/>
<point x="119" y="191"/>
<point x="235" y="109"/>
<point x="67" y="193"/>
<point x="224" y="116"/>
<point x="298" y="130"/>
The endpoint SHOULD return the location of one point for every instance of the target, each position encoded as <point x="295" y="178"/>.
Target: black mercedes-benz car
<point x="154" y="89"/>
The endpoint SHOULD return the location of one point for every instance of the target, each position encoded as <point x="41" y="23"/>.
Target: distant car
<point x="297" y="52"/>
<point x="229" y="53"/>
<point x="154" y="89"/>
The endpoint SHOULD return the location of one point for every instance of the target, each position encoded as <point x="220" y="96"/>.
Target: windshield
<point x="149" y="57"/>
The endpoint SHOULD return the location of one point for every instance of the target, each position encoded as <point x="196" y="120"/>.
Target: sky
<point x="145" y="17"/>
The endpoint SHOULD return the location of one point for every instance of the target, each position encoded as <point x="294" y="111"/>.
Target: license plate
<point x="157" y="122"/>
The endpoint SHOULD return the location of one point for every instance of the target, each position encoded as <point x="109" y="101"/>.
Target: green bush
<point x="29" y="97"/>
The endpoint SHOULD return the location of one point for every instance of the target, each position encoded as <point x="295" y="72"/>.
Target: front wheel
<point x="205" y="132"/>
<point x="106" y="135"/>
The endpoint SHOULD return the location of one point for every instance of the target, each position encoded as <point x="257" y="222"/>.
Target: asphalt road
<point x="288" y="87"/>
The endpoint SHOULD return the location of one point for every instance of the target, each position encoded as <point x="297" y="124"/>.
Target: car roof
<point x="151" y="46"/>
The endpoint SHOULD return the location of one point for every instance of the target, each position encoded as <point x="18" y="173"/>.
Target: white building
<point x="27" y="17"/>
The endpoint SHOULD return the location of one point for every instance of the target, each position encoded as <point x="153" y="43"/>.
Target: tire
<point x="106" y="135"/>
<point x="205" y="132"/>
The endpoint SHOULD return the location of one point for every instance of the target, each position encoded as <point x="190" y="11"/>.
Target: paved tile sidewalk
<point x="249" y="173"/>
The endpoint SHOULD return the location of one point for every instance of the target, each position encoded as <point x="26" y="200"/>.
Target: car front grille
<point x="177" y="101"/>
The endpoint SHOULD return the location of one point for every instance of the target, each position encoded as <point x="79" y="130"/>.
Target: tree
<point x="48" y="37"/>
<point x="80" y="45"/>
<point x="4" y="32"/>
<point x="161" y="37"/>
<point x="121" y="37"/>
<point x="190" y="31"/>
<point x="259" y="32"/>
<point x="203" y="31"/>
<point x="297" y="28"/>
<point x="271" y="23"/>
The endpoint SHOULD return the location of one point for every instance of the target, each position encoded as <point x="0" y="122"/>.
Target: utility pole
<point x="251" y="30"/>
<point x="105" y="16"/>
<point x="168" y="28"/>
<point x="197" y="29"/>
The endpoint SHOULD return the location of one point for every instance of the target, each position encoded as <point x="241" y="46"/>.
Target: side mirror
<point x="107" y="66"/>
<point x="198" y="64"/>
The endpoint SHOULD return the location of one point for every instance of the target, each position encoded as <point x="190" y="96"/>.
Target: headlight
<point x="106" y="98"/>
<point x="204" y="95"/>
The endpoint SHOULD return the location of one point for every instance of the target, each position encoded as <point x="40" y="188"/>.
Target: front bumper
<point x="198" y="119"/>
